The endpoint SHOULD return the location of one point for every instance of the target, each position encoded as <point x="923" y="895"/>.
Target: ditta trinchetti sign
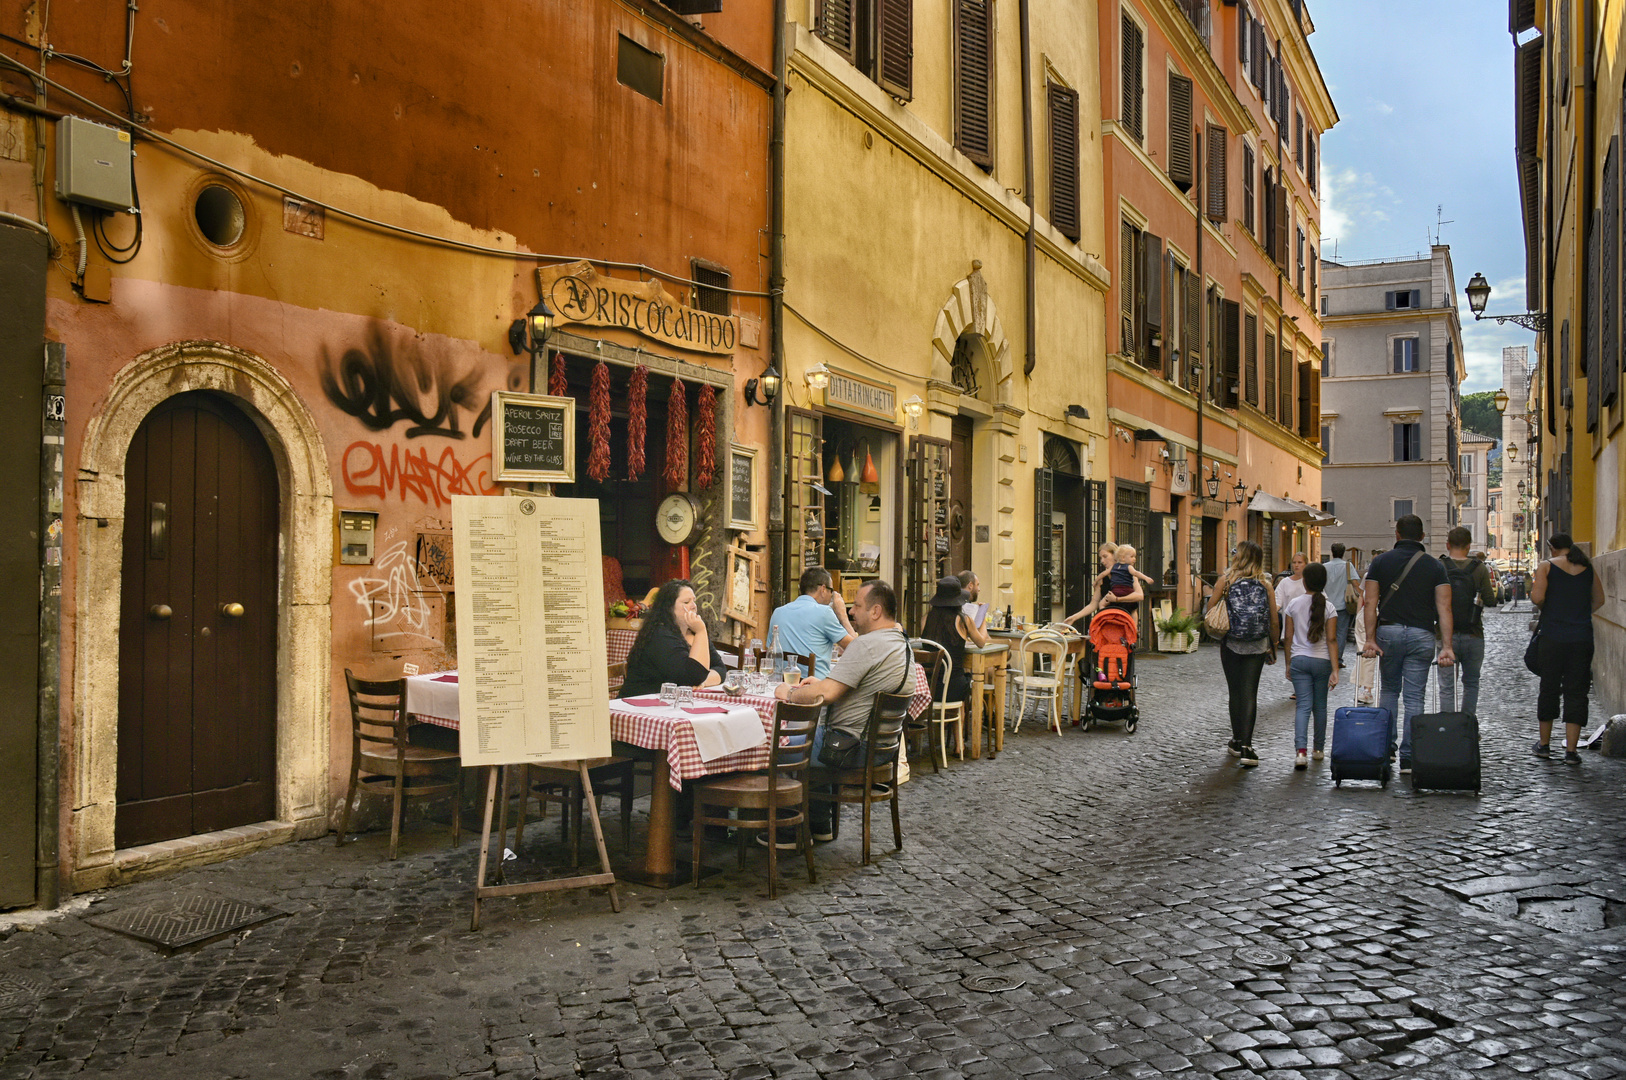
<point x="579" y="294"/>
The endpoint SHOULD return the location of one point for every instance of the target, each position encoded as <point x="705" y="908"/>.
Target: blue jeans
<point x="1470" y="652"/>
<point x="1407" y="652"/>
<point x="1346" y="635"/>
<point x="1310" y="675"/>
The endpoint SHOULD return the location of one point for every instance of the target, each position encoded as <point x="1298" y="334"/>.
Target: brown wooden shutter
<point x="1270" y="375"/>
<point x="1521" y="15"/>
<point x="1151" y="273"/>
<point x="1064" y="211"/>
<point x="974" y="84"/>
<point x="1126" y="287"/>
<point x="1247" y="188"/>
<point x="896" y="53"/>
<point x="1194" y="351"/>
<point x="1588" y="361"/>
<point x="1250" y="358"/>
<point x="1180" y="131"/>
<point x="836" y="25"/>
<point x="1233" y="354"/>
<point x="1284" y="389"/>
<point x="1133" y="78"/>
<point x="1218" y="172"/>
<point x="1608" y="374"/>
<point x="1306" y="421"/>
<point x="1283" y="222"/>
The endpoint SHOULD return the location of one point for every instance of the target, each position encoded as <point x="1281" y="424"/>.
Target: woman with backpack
<point x="1249" y="642"/>
<point x="1310" y="635"/>
<point x="1567" y="590"/>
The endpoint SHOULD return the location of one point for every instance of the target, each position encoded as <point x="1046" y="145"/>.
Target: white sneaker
<point x="1301" y="760"/>
<point x="1318" y="755"/>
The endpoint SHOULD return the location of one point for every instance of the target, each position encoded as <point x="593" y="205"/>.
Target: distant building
<point x="1473" y="469"/>
<point x="1518" y="452"/>
<point x="1390" y="398"/>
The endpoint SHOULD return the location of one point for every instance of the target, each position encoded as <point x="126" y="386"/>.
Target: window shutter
<point x="1310" y="169"/>
<point x="1589" y="346"/>
<point x="1250" y="358"/>
<point x="1194" y="352"/>
<point x="974" y="84"/>
<point x="1521" y="15"/>
<point x="1126" y="286"/>
<point x="1306" y="421"/>
<point x="1243" y="35"/>
<point x="1400" y="355"/>
<point x="1064" y="213"/>
<point x="1217" y="174"/>
<point x="1151" y="273"/>
<point x="1389" y="301"/>
<point x="1416" y="299"/>
<point x="1247" y="188"/>
<point x="836" y="25"/>
<point x="1608" y="376"/>
<point x="1233" y="354"/>
<point x="1180" y="131"/>
<point x="1563" y="51"/>
<point x="1259" y="56"/>
<point x="1133" y="79"/>
<point x="896" y="38"/>
<point x="1399" y="450"/>
<point x="1284" y="388"/>
<point x="1282" y="223"/>
<point x="1314" y="263"/>
<point x="1298" y="139"/>
<point x="1270" y="375"/>
<point x="1315" y="400"/>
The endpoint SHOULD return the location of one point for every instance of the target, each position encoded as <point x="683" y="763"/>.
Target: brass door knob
<point x="160" y="611"/>
<point x="234" y="611"/>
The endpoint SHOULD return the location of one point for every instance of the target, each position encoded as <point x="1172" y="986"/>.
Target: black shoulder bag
<point x="843" y="749"/>
<point x="1532" y="651"/>
<point x="1394" y="588"/>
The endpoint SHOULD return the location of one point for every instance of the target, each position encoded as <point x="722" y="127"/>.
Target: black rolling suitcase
<point x="1445" y="750"/>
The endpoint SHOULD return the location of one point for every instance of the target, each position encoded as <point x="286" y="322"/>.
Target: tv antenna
<point x="1439" y="222"/>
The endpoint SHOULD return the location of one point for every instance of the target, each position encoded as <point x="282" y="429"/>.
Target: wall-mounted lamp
<point x="1213" y="482"/>
<point x="1513" y="451"/>
<point x="1239" y="494"/>
<point x="818" y="377"/>
<point x="530" y="334"/>
<point x="768" y="383"/>
<point x="913" y="408"/>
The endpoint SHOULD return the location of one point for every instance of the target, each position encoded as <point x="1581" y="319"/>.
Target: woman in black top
<point x="947" y="625"/>
<point x="673" y="645"/>
<point x="1568" y="591"/>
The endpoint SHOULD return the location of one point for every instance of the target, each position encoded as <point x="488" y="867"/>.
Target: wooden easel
<point x="503" y="888"/>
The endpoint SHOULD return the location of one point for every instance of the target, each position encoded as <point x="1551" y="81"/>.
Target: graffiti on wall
<point x="400" y="605"/>
<point x="371" y="468"/>
<point x="382" y="384"/>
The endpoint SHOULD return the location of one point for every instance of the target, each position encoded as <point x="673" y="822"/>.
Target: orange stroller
<point x="1111" y="699"/>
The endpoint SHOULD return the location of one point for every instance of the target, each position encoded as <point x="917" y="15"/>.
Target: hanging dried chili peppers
<point x="637" y="420"/>
<point x="558" y="385"/>
<point x="705" y="466"/>
<point x="598" y="424"/>
<point x="677" y="437"/>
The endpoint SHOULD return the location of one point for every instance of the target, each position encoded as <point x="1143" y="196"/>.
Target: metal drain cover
<point x="15" y="992"/>
<point x="1258" y="956"/>
<point x="178" y="921"/>
<point x="991" y="984"/>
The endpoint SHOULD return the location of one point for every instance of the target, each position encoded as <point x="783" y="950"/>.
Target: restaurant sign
<point x="860" y="395"/>
<point x="579" y="294"/>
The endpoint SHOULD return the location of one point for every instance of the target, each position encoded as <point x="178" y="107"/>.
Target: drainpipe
<point x="1029" y="241"/>
<point x="48" y="790"/>
<point x="778" y="556"/>
<point x="1197" y="488"/>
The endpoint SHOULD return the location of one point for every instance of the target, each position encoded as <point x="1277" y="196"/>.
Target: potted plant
<point x="625" y="615"/>
<point x="1177" y="632"/>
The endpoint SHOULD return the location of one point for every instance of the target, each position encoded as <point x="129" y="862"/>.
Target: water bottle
<point x="776" y="655"/>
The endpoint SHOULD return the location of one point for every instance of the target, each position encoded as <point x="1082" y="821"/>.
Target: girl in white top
<point x="1310" y="625"/>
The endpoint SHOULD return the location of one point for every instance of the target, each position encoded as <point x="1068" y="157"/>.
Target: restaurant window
<point x="641" y="69"/>
<point x="844" y="527"/>
<point x="711" y="288"/>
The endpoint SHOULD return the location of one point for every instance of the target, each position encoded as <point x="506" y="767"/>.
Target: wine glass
<point x="669" y="693"/>
<point x="756" y="652"/>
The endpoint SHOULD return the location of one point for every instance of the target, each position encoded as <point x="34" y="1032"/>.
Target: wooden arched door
<point x="198" y="624"/>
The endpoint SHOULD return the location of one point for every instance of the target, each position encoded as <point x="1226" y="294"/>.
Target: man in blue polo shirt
<point x="1408" y="603"/>
<point x="813" y="623"/>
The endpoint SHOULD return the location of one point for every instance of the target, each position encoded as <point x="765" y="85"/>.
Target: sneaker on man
<point x="1543" y="751"/>
<point x="1405" y="765"/>
<point x="1318" y="755"/>
<point x="1250" y="758"/>
<point x="1571" y="757"/>
<point x="1301" y="760"/>
<point x="1233" y="748"/>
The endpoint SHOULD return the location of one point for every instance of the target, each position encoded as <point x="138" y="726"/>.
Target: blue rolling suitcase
<point x="1360" y="745"/>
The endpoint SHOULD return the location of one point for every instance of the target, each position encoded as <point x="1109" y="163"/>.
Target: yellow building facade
<point x="944" y="402"/>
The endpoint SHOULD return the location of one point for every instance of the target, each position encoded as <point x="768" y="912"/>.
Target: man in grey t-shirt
<point x="1339" y="574"/>
<point x="877" y="662"/>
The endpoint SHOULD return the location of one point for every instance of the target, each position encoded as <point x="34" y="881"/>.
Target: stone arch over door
<point x="304" y="590"/>
<point x="969" y="309"/>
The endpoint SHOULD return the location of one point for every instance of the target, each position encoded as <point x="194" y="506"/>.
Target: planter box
<point x="1173" y="643"/>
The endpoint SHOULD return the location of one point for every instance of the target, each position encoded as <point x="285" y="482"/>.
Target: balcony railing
<point x="1198" y="13"/>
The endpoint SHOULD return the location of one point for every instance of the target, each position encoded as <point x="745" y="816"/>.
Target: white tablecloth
<point x="715" y="734"/>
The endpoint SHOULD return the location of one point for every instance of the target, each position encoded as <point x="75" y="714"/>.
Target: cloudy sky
<point x="1425" y="109"/>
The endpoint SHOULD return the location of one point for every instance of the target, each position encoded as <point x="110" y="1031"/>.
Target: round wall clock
<point x="678" y="519"/>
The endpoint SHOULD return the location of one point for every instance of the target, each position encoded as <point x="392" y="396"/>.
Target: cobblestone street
<point x="1164" y="913"/>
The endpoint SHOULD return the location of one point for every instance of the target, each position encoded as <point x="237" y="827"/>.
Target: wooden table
<point x="1078" y="647"/>
<point x="987" y="666"/>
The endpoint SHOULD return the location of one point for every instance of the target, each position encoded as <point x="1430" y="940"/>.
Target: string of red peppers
<point x="637" y="420"/>
<point x="706" y="433"/>
<point x="598" y="424"/>
<point x="677" y="437"/>
<point x="558" y="386"/>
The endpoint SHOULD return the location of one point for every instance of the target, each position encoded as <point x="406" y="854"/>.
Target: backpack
<point x="1466" y="614"/>
<point x="1247" y="602"/>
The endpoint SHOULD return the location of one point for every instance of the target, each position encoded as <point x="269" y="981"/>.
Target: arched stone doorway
<point x="303" y="591"/>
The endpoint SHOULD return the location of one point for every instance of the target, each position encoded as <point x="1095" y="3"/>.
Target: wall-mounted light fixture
<point x="531" y="333"/>
<point x="1479" y="290"/>
<point x="768" y="384"/>
<point x="1213" y="482"/>
<point x="818" y="377"/>
<point x="913" y="408"/>
<point x="1239" y="494"/>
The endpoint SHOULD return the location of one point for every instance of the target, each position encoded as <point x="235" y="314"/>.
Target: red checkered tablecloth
<point x="617" y="644"/>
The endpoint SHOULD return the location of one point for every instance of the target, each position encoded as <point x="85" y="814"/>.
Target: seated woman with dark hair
<point x="673" y="645"/>
<point x="948" y="625"/>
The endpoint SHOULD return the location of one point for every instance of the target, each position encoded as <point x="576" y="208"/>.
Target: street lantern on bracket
<point x="1239" y="494"/>
<point x="1479" y="290"/>
<point x="530" y="334"/>
<point x="1213" y="482"/>
<point x="1501" y="400"/>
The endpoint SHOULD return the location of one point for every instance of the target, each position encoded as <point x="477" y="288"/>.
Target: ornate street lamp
<point x="1214" y="482"/>
<point x="1239" y="494"/>
<point x="1501" y="400"/>
<point x="1479" y="290"/>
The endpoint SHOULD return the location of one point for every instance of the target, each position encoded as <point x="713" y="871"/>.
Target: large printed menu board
<point x="532" y="681"/>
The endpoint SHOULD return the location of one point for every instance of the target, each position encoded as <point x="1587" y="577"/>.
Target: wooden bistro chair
<point x="383" y="762"/>
<point x="778" y="793"/>
<point x="1040" y="662"/>
<point x="934" y="660"/>
<point x="874" y="781"/>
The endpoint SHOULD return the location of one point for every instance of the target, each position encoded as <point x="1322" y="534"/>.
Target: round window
<point x="220" y="215"/>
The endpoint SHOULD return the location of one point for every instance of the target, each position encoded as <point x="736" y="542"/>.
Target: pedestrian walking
<point x="1311" y="638"/>
<point x="1567" y="590"/>
<point x="1249" y="642"/>
<point x="1344" y="591"/>
<point x="1288" y="589"/>
<point x="1408" y="611"/>
<point x="1472" y="590"/>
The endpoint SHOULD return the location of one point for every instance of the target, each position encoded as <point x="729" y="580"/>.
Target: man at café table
<point x="877" y="662"/>
<point x="672" y="646"/>
<point x="812" y="624"/>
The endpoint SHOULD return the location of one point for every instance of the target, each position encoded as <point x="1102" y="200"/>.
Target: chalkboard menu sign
<point x="742" y="487"/>
<point x="533" y="438"/>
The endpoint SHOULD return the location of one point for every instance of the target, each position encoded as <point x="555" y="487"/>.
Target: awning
<point x="1289" y="510"/>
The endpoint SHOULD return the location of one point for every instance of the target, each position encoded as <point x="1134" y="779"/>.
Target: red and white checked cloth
<point x="617" y="644"/>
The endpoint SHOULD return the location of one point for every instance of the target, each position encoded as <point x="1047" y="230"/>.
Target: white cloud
<point x="1354" y="206"/>
<point x="1382" y="108"/>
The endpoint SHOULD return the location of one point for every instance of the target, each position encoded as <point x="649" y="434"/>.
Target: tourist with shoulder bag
<point x="1249" y="642"/>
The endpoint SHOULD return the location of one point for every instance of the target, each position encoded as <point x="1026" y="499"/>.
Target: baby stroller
<point x="1111" y="662"/>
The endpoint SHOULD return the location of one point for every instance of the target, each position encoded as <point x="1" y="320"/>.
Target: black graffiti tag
<point x="381" y="385"/>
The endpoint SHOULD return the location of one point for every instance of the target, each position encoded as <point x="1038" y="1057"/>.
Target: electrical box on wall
<point x="357" y="528"/>
<point x="93" y="165"/>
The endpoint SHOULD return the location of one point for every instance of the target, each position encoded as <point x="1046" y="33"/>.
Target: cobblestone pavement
<point x="1165" y="914"/>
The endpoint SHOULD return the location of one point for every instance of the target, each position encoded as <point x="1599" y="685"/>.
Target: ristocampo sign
<point x="579" y="294"/>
